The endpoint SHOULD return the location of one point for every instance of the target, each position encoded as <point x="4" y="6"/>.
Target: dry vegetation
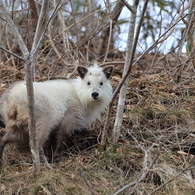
<point x="155" y="153"/>
<point x="156" y="143"/>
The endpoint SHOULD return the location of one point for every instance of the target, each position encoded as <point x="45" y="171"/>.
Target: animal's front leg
<point x="43" y="159"/>
<point x="60" y="145"/>
<point x="66" y="129"/>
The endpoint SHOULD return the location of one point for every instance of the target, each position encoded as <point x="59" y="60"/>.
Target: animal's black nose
<point x="95" y="95"/>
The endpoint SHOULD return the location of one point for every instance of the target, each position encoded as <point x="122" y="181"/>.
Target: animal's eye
<point x="101" y="83"/>
<point x="88" y="83"/>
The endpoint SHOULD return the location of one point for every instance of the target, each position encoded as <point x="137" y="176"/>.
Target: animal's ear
<point x="82" y="71"/>
<point x="108" y="71"/>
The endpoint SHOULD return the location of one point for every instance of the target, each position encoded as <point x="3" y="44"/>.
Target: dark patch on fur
<point x="82" y="71"/>
<point x="108" y="71"/>
<point x="12" y="114"/>
<point x="2" y="123"/>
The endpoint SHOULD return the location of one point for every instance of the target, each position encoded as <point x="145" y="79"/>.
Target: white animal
<point x="61" y="106"/>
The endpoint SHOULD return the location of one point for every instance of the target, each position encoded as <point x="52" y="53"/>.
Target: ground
<point x="154" y="154"/>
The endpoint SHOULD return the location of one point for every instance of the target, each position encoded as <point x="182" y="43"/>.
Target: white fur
<point x="67" y="105"/>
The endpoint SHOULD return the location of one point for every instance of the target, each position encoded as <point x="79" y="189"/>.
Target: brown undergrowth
<point x="157" y="142"/>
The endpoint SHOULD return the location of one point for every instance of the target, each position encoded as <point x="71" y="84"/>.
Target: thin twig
<point x="186" y="169"/>
<point x="14" y="30"/>
<point x="13" y="54"/>
<point x="122" y="95"/>
<point x="125" y="187"/>
<point x="87" y="182"/>
<point x="105" y="131"/>
<point x="128" y="6"/>
<point x="159" y="40"/>
<point x="110" y="35"/>
<point x="39" y="35"/>
<point x="147" y="167"/>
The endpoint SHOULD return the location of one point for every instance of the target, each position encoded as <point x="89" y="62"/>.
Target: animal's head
<point x="95" y="83"/>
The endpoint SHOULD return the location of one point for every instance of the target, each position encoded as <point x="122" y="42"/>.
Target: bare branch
<point x="105" y="131"/>
<point x="106" y="32"/>
<point x="125" y="187"/>
<point x="29" y="63"/>
<point x="41" y="25"/>
<point x="13" y="54"/>
<point x="160" y="39"/>
<point x="148" y="166"/>
<point x="40" y="31"/>
<point x="145" y="167"/>
<point x="131" y="8"/>
<point x="186" y="169"/>
<point x="14" y="30"/>
<point x="129" y="57"/>
<point x="87" y="182"/>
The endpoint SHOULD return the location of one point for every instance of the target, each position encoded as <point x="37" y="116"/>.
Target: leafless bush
<point x="157" y="114"/>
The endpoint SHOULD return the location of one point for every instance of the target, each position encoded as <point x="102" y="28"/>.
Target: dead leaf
<point x="125" y="116"/>
<point x="118" y="150"/>
<point x="182" y="152"/>
<point x="151" y="76"/>
<point x="159" y="107"/>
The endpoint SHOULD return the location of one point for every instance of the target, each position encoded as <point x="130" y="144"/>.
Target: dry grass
<point x="155" y="146"/>
<point x="155" y="153"/>
<point x="157" y="138"/>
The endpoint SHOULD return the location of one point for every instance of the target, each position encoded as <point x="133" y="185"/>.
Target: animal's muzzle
<point x="95" y="95"/>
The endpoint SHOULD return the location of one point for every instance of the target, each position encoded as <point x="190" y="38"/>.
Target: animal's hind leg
<point x="60" y="145"/>
<point x="7" y="136"/>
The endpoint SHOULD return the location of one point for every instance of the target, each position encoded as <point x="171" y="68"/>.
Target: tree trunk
<point x="125" y="76"/>
<point x="122" y="96"/>
<point x="29" y="58"/>
<point x="34" y="145"/>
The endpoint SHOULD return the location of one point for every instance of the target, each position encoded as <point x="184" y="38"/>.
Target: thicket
<point x="148" y="139"/>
